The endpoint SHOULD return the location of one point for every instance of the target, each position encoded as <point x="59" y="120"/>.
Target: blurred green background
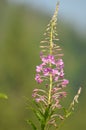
<point x="21" y="30"/>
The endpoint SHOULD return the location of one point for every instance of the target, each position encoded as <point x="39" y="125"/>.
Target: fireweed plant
<point x="48" y="101"/>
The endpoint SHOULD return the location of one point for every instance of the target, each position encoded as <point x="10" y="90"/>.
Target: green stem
<point x="51" y="47"/>
<point x="49" y="100"/>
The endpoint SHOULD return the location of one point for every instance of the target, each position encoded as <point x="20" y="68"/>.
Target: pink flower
<point x="34" y="94"/>
<point x="41" y="99"/>
<point x="44" y="60"/>
<point x="47" y="71"/>
<point x="39" y="68"/>
<point x="48" y="59"/>
<point x="60" y="63"/>
<point x="56" y="78"/>
<point x="38" y="99"/>
<point x="55" y="89"/>
<point x="55" y="72"/>
<point x="51" y="59"/>
<point x="62" y="73"/>
<point x="62" y="94"/>
<point x="65" y="82"/>
<point x="38" y="78"/>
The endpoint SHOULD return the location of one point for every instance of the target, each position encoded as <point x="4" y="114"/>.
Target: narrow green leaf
<point x="39" y="115"/>
<point x="32" y="124"/>
<point x="65" y="111"/>
<point x="40" y="109"/>
<point x="68" y="114"/>
<point x="46" y="116"/>
<point x="42" y="126"/>
<point x="47" y="112"/>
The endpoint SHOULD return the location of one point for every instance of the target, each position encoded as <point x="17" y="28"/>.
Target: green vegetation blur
<point x="21" y="30"/>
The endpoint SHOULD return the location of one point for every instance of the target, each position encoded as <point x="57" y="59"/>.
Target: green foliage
<point x="3" y="96"/>
<point x="41" y="116"/>
<point x="32" y="124"/>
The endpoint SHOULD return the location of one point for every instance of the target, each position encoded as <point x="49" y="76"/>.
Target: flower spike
<point x="51" y="72"/>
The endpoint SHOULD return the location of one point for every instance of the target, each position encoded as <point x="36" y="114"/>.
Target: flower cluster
<point x="53" y="67"/>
